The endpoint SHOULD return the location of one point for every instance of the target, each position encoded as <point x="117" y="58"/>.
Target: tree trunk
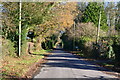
<point x="29" y="49"/>
<point x="39" y="43"/>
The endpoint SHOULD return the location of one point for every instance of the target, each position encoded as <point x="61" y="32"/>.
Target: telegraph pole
<point x="98" y="29"/>
<point x="109" y="24"/>
<point x="74" y="37"/>
<point x="20" y="7"/>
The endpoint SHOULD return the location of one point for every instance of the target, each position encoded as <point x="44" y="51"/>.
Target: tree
<point x="43" y="18"/>
<point x="76" y="35"/>
<point x="82" y="6"/>
<point x="40" y="13"/>
<point x="118" y="18"/>
<point x="38" y="19"/>
<point x="111" y="12"/>
<point x="10" y="22"/>
<point x="47" y="19"/>
<point x="65" y="14"/>
<point x="91" y="14"/>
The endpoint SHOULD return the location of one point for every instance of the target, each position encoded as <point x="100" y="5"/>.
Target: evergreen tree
<point x="91" y="14"/>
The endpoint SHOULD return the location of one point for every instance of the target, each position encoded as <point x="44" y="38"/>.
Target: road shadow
<point x="66" y="60"/>
<point x="41" y="54"/>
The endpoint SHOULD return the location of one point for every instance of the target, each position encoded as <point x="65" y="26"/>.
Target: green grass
<point x="81" y="54"/>
<point x="106" y="64"/>
<point x="41" y="51"/>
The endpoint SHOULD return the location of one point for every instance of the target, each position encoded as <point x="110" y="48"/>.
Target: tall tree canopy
<point x="44" y="18"/>
<point x="118" y="17"/>
<point x="92" y="12"/>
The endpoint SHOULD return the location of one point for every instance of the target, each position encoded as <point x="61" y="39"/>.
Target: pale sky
<point x="60" y="0"/>
<point x="112" y="0"/>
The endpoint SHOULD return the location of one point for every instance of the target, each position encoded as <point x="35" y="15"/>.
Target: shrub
<point x="109" y="48"/>
<point x="24" y="47"/>
<point x="8" y="48"/>
<point x="116" y="48"/>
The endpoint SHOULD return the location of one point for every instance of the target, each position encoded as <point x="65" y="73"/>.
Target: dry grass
<point x="17" y="67"/>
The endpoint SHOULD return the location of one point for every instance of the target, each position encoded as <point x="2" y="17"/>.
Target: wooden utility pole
<point x="98" y="29"/>
<point x="109" y="24"/>
<point x="20" y="7"/>
<point x="74" y="37"/>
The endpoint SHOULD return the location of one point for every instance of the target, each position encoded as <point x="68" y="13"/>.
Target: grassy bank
<point x="17" y="67"/>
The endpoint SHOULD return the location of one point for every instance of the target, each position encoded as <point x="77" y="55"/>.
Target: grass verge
<point x="17" y="67"/>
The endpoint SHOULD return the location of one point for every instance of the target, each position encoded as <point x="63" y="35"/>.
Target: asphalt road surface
<point x="65" y="65"/>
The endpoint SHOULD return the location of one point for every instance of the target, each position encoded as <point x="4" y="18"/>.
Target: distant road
<point x="66" y="65"/>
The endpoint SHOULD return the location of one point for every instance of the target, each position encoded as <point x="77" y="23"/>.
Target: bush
<point x="116" y="48"/>
<point x="109" y="48"/>
<point x="79" y="36"/>
<point x="24" y="47"/>
<point x="83" y="35"/>
<point x="8" y="48"/>
<point x="95" y="51"/>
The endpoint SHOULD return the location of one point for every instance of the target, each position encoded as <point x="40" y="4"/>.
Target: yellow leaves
<point x="65" y="15"/>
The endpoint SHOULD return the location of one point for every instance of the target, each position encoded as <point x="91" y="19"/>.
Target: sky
<point x="60" y="0"/>
<point x="112" y="0"/>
